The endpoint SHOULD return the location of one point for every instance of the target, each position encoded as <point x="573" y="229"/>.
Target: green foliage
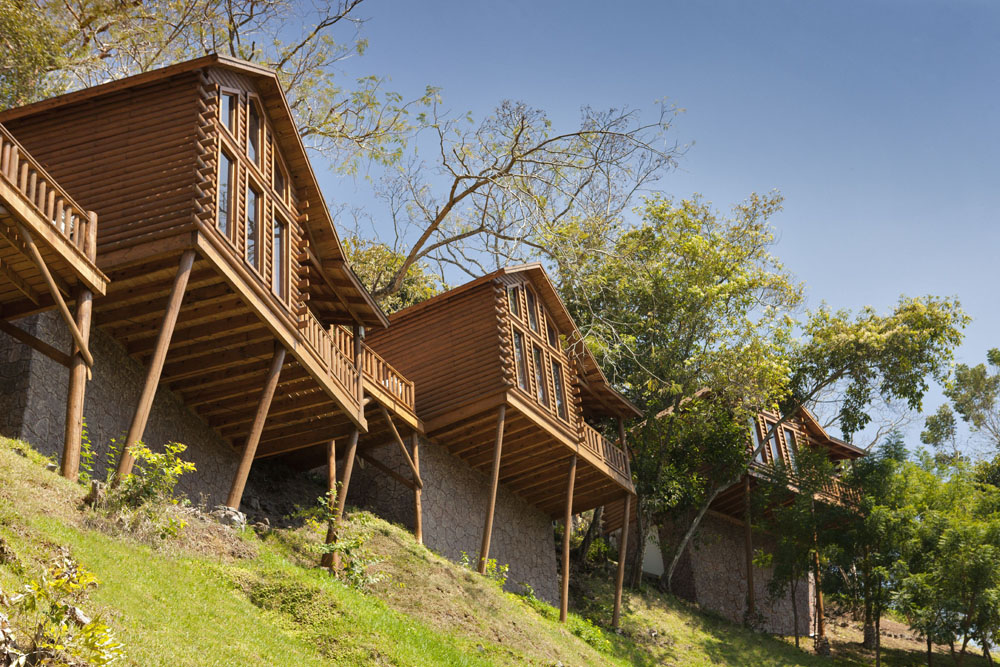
<point x="375" y="263"/>
<point x="140" y="498"/>
<point x="580" y="626"/>
<point x="30" y="51"/>
<point x="495" y="572"/>
<point x="62" y="632"/>
<point x="87" y="455"/>
<point x="357" y="562"/>
<point x="974" y="393"/>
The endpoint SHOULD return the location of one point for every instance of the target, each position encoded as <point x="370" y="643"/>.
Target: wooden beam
<point x="73" y="440"/>
<point x="145" y="404"/>
<point x="399" y="441"/>
<point x="567" y="533"/>
<point x="418" y="508"/>
<point x="250" y="449"/>
<point x="622" y="557"/>
<point x="408" y="483"/>
<point x="484" y="549"/>
<point x="57" y="296"/>
<point x="27" y="290"/>
<point x="20" y="334"/>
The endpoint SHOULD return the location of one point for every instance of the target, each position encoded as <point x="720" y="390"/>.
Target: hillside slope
<point x="217" y="597"/>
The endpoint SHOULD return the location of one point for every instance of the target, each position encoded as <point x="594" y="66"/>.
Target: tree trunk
<point x="669" y="574"/>
<point x="878" y="636"/>
<point x="641" y="535"/>
<point x="930" y="652"/>
<point x="795" y="610"/>
<point x="580" y="553"/>
<point x="986" y="652"/>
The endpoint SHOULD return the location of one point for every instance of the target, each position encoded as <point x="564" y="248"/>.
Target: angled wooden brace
<point x="36" y="256"/>
<point x="399" y="441"/>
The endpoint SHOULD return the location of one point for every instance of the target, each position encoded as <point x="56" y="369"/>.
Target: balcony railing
<point x="338" y="365"/>
<point x="45" y="196"/>
<point x="379" y="374"/>
<point x="608" y="452"/>
<point x="840" y="492"/>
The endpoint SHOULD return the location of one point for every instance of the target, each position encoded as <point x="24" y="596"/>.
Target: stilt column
<point x="568" y="529"/>
<point x="77" y="385"/>
<point x="484" y="548"/>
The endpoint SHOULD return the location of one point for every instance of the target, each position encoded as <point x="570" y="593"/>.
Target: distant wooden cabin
<point x="505" y="383"/>
<point x="706" y="574"/>
<point x="229" y="282"/>
<point x="48" y="244"/>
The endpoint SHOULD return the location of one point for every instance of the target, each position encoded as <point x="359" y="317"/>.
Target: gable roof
<point x="324" y="241"/>
<point x="598" y="395"/>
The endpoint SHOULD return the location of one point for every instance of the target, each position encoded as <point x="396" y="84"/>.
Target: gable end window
<point x="775" y="448"/>
<point x="227" y="111"/>
<point x="224" y="215"/>
<point x="532" y="311"/>
<point x="254" y="133"/>
<point x="279" y="243"/>
<point x="552" y="336"/>
<point x="790" y="445"/>
<point x="520" y="361"/>
<point x="557" y="381"/>
<point x="759" y="458"/>
<point x="513" y="302"/>
<point x="253" y="228"/>
<point x="541" y="386"/>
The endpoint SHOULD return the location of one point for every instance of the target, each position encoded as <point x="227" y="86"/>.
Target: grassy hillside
<point x="217" y="597"/>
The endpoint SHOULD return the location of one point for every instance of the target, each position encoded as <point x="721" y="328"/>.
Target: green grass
<point x="217" y="598"/>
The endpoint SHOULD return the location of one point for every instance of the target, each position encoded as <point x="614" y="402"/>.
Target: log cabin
<point x="513" y="406"/>
<point x="229" y="285"/>
<point x="48" y="246"/>
<point x="705" y="573"/>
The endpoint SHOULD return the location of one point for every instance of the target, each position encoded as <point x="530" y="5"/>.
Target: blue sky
<point x="877" y="120"/>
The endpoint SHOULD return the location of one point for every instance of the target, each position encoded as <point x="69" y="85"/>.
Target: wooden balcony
<point x="602" y="452"/>
<point x="64" y="233"/>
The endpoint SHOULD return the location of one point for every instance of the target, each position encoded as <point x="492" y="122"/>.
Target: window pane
<point x="790" y="442"/>
<point x="253" y="141"/>
<point x="560" y="394"/>
<point x="532" y="312"/>
<point x="541" y="387"/>
<point x="253" y="212"/>
<point x="520" y="361"/>
<point x="756" y="442"/>
<point x="513" y="302"/>
<point x="225" y="194"/>
<point x="279" y="180"/>
<point x="553" y="336"/>
<point x="775" y="449"/>
<point x="279" y="234"/>
<point x="227" y="111"/>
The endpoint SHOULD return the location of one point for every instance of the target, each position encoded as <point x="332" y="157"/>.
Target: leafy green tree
<point x="974" y="394"/>
<point x="683" y="300"/>
<point x="373" y="261"/>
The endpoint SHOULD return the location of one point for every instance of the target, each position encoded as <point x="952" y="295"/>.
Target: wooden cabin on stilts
<point x="228" y="281"/>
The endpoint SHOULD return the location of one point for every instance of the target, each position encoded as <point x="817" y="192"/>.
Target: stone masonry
<point x="33" y="407"/>
<point x="712" y="573"/>
<point x="454" y="503"/>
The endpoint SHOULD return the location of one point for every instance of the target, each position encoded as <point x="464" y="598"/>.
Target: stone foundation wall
<point x="33" y="392"/>
<point x="454" y="503"/>
<point x="713" y="574"/>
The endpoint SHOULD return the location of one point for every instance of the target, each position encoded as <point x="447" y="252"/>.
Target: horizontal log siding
<point x="450" y="351"/>
<point x="130" y="155"/>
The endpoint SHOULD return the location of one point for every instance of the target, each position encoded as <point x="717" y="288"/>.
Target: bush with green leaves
<point x="495" y="572"/>
<point x="356" y="561"/>
<point x="61" y="632"/>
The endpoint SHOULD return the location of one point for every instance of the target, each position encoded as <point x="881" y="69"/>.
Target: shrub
<point x="356" y="560"/>
<point x="63" y="634"/>
<point x="494" y="572"/>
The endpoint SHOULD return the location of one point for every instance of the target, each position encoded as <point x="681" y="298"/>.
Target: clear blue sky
<point x="877" y="120"/>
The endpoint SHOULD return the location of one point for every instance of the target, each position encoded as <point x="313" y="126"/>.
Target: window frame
<point x="774" y="446"/>
<point x="232" y="123"/>
<point x="258" y="211"/>
<point x="541" y="381"/>
<point x="791" y="446"/>
<point x="514" y="301"/>
<point x="559" y="388"/>
<point x="255" y="109"/>
<point x="231" y="177"/>
<point x="279" y="279"/>
<point x="531" y="300"/>
<point x="520" y="361"/>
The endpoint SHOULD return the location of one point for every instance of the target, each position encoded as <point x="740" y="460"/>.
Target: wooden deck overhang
<point x="32" y="202"/>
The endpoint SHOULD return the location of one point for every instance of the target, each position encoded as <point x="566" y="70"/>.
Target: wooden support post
<point x="567" y="533"/>
<point x="402" y="446"/>
<point x="418" y="508"/>
<point x="622" y="555"/>
<point x="345" y="482"/>
<point x="331" y="497"/>
<point x="141" y="416"/>
<point x="72" y="441"/>
<point x="39" y="261"/>
<point x="748" y="540"/>
<point x="250" y="449"/>
<point x="484" y="548"/>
